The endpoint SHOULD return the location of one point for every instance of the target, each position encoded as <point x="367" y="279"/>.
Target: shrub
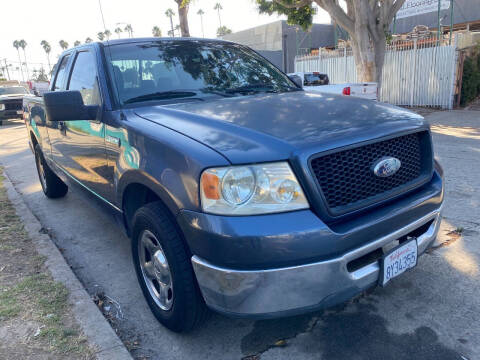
<point x="470" y="79"/>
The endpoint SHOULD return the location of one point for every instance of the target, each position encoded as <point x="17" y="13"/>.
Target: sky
<point x="70" y="20"/>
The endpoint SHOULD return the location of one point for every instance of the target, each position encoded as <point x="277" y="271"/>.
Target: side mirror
<point x="297" y="80"/>
<point x="68" y="106"/>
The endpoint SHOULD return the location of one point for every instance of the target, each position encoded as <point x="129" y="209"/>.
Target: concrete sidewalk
<point x="430" y="313"/>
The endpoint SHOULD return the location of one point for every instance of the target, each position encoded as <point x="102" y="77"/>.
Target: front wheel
<point x="164" y="270"/>
<point x="52" y="186"/>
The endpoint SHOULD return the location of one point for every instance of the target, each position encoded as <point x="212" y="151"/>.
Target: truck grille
<point x="348" y="183"/>
<point x="13" y="104"/>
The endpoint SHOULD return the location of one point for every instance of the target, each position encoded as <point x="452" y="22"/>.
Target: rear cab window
<point x="314" y="79"/>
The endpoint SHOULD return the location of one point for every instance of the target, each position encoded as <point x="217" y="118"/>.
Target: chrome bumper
<point x="297" y="289"/>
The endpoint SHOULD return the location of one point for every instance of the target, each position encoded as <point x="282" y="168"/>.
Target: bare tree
<point x="366" y="21"/>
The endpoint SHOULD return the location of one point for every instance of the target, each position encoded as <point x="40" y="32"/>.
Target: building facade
<point x="280" y="42"/>
<point x="466" y="14"/>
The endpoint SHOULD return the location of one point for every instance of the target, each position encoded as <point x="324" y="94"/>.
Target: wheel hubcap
<point x="155" y="270"/>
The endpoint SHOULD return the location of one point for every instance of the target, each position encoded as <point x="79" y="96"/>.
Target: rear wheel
<point x="52" y="186"/>
<point x="164" y="270"/>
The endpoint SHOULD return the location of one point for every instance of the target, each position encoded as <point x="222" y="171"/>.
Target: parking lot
<point x="432" y="312"/>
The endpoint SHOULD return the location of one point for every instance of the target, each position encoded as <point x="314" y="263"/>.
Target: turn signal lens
<point x="210" y="186"/>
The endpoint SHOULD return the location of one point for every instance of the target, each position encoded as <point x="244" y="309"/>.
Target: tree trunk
<point x="26" y="64"/>
<point x="183" y="13"/>
<point x="171" y="26"/>
<point x="20" y="65"/>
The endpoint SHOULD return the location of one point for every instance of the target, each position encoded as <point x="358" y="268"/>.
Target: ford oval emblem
<point x="386" y="166"/>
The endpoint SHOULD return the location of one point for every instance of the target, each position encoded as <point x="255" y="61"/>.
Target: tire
<point x="166" y="276"/>
<point x="53" y="187"/>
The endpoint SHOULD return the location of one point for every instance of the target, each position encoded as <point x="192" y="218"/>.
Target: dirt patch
<point x="35" y="322"/>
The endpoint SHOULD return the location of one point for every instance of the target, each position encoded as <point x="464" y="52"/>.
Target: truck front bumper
<point x="299" y="289"/>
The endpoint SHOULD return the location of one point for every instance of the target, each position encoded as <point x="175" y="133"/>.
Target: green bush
<point x="470" y="79"/>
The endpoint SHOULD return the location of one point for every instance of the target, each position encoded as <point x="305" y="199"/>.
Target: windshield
<point x="315" y="79"/>
<point x="13" y="90"/>
<point x="191" y="70"/>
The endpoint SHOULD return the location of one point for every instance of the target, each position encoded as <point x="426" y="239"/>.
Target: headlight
<point x="249" y="190"/>
<point x="2" y="106"/>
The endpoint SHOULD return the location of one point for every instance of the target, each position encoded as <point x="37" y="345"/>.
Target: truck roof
<point x="155" y="39"/>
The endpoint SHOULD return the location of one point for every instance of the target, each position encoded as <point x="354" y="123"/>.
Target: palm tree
<point x="177" y="28"/>
<point x="118" y="30"/>
<point x="201" y="13"/>
<point x="107" y="34"/>
<point x="129" y="29"/>
<point x="16" y="45"/>
<point x="156" y="31"/>
<point x="218" y="7"/>
<point x="23" y="44"/>
<point x="223" y="30"/>
<point x="76" y="43"/>
<point x="169" y="13"/>
<point x="63" y="44"/>
<point x="47" y="48"/>
<point x="101" y="35"/>
<point x="88" y="40"/>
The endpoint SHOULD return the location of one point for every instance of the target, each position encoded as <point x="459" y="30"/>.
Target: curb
<point x="100" y="335"/>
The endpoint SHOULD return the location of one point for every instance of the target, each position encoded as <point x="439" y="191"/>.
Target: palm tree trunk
<point x="26" y="64"/>
<point x="20" y="64"/>
<point x="49" y="66"/>
<point x="182" y="13"/>
<point x="201" y="22"/>
<point x="171" y="25"/>
<point x="219" y="19"/>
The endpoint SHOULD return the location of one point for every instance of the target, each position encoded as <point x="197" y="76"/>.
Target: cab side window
<point x="84" y="78"/>
<point x="62" y="72"/>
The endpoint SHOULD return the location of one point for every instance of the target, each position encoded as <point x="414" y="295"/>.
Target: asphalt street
<point x="432" y="312"/>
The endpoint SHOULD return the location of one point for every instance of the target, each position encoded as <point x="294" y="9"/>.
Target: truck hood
<point x="11" y="97"/>
<point x="270" y="127"/>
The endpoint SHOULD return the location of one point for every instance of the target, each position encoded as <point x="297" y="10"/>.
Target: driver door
<point x="82" y="145"/>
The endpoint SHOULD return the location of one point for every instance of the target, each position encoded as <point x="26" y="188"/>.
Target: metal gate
<point x="417" y="72"/>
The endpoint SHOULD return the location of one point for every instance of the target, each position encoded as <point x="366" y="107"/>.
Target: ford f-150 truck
<point x="240" y="191"/>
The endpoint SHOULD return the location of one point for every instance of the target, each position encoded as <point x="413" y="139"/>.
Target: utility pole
<point x="451" y="22"/>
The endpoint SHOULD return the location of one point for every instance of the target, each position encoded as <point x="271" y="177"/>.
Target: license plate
<point x="19" y="112"/>
<point x="397" y="261"/>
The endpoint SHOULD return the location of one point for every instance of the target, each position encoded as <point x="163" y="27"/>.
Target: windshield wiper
<point x="163" y="95"/>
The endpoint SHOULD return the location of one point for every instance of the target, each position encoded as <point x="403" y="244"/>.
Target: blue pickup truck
<point x="240" y="192"/>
